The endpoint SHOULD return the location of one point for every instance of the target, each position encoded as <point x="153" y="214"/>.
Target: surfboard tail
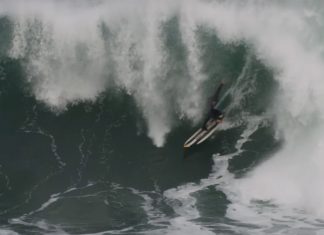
<point x="201" y="135"/>
<point x="193" y="139"/>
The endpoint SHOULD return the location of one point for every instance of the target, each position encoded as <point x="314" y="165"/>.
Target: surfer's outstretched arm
<point x="216" y="95"/>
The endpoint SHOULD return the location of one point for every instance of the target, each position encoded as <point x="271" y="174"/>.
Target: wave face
<point x="97" y="98"/>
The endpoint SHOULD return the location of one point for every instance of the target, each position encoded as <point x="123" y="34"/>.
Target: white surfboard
<point x="201" y="135"/>
<point x="206" y="136"/>
<point x="194" y="138"/>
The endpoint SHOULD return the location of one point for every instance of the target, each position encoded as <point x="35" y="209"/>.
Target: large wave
<point x="74" y="51"/>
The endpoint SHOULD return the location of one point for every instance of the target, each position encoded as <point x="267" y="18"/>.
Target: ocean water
<point x="98" y="97"/>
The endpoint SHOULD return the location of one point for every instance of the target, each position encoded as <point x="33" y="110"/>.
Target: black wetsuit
<point x="214" y="112"/>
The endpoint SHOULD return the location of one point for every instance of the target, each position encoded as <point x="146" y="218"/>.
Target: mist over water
<point x="75" y="51"/>
<point x="168" y="56"/>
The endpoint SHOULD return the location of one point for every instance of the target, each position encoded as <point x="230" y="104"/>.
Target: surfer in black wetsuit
<point x="215" y="114"/>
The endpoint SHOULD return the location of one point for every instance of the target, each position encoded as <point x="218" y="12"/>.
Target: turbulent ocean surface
<point x="98" y="97"/>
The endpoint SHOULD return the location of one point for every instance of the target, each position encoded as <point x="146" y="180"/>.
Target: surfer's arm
<point x="216" y="95"/>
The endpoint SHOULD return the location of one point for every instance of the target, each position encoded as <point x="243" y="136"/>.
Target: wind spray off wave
<point x="74" y="52"/>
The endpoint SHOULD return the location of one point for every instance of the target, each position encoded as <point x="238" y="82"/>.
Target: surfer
<point x="214" y="113"/>
<point x="214" y="117"/>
